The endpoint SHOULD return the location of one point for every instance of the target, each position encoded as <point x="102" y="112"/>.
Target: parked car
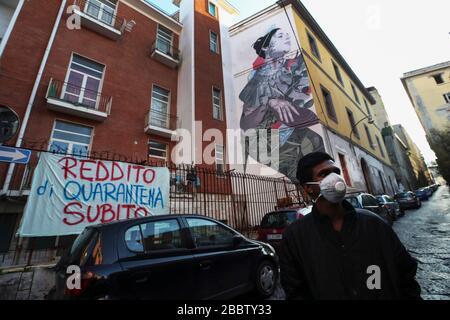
<point x="392" y="206"/>
<point x="434" y="187"/>
<point x="408" y="200"/>
<point x="167" y="257"/>
<point x="369" y="202"/>
<point x="429" y="191"/>
<point x="422" y="194"/>
<point x="273" y="224"/>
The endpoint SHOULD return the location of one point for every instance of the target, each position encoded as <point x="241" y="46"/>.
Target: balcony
<point x="100" y="18"/>
<point x="70" y="99"/>
<point x="161" y="124"/>
<point x="165" y="53"/>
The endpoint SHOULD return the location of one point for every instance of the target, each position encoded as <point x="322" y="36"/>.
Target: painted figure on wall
<point x="278" y="96"/>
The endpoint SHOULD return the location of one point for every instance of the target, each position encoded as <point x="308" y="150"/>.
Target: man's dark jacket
<point x="318" y="262"/>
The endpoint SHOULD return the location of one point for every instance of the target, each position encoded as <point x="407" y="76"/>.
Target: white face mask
<point x="332" y="188"/>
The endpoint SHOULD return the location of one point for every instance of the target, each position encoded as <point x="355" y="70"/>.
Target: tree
<point x="440" y="143"/>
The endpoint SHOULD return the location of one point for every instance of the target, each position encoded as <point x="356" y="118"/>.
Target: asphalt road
<point x="425" y="232"/>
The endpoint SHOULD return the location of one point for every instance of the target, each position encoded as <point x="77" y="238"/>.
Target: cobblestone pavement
<point x="425" y="232"/>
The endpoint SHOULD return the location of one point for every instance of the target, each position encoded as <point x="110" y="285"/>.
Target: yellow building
<point x="341" y="102"/>
<point x="429" y="91"/>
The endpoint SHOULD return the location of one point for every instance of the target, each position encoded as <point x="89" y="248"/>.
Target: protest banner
<point x="69" y="193"/>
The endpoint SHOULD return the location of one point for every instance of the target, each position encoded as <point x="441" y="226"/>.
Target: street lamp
<point x="370" y="121"/>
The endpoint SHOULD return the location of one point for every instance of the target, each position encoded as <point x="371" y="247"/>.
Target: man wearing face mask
<point x="338" y="252"/>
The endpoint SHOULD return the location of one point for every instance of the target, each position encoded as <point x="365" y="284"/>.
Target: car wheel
<point x="266" y="279"/>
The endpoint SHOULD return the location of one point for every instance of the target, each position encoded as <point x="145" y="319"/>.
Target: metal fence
<point x="237" y="199"/>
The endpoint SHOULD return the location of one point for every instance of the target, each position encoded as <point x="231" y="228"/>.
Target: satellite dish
<point x="9" y="123"/>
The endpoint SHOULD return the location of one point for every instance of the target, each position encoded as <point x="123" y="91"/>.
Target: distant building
<point x="378" y="110"/>
<point x="435" y="174"/>
<point x="419" y="167"/>
<point x="410" y="169"/>
<point x="429" y="91"/>
<point x="398" y="153"/>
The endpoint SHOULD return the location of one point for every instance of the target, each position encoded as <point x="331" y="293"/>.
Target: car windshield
<point x="403" y="195"/>
<point x="380" y="199"/>
<point x="278" y="219"/>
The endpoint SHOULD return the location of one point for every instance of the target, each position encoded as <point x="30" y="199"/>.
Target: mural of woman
<point x="278" y="96"/>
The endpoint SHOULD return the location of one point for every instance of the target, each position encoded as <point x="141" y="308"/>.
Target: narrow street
<point x="426" y="234"/>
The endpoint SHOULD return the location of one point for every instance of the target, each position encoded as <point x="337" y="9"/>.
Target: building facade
<point x="398" y="153"/>
<point x="379" y="113"/>
<point x="429" y="91"/>
<point x="284" y="62"/>
<point x="110" y="79"/>
<point x="419" y="168"/>
<point x="397" y="147"/>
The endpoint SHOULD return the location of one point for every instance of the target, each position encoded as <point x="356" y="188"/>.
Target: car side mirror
<point x="237" y="240"/>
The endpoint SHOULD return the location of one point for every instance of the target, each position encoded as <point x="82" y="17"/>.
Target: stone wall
<point x="31" y="283"/>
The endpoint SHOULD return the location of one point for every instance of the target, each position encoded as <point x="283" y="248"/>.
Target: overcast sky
<point x="380" y="40"/>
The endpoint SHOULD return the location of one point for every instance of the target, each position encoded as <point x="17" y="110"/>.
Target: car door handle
<point x="205" y="265"/>
<point x="142" y="277"/>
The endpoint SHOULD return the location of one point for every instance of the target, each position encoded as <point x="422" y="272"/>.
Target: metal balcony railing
<point x="163" y="46"/>
<point x="79" y="96"/>
<point x="101" y="12"/>
<point x="161" y="120"/>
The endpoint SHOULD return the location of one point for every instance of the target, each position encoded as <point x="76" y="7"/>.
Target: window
<point x="161" y="235"/>
<point x="367" y="108"/>
<point x="354" y="202"/>
<point x="338" y="73"/>
<point x="133" y="239"/>
<point x="212" y="9"/>
<point x="438" y="78"/>
<point x="159" y="116"/>
<point x="164" y="40"/>
<point x="207" y="233"/>
<point x="278" y="219"/>
<point x="381" y="199"/>
<point x="7" y="228"/>
<point x="369" y="137"/>
<point x="69" y="138"/>
<point x="355" y="94"/>
<point x="157" y="149"/>
<point x="217" y="104"/>
<point x="83" y="82"/>
<point x="213" y="42"/>
<point x="380" y="146"/>
<point x="369" y="201"/>
<point x="219" y="159"/>
<point x="102" y="10"/>
<point x="343" y="162"/>
<point x="329" y="104"/>
<point x="447" y="97"/>
<point x="313" y="46"/>
<point x="351" y="119"/>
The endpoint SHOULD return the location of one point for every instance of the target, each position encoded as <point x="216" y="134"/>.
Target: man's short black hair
<point x="308" y="162"/>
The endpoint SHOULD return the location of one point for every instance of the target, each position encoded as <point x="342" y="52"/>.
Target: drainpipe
<point x="11" y="25"/>
<point x="23" y="127"/>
